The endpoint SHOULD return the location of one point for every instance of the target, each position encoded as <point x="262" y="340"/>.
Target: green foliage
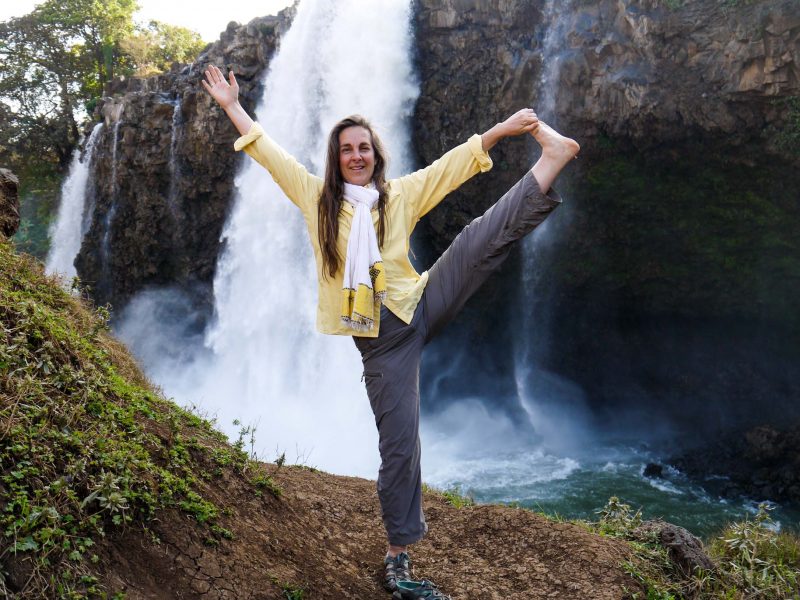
<point x="83" y="449"/>
<point x="618" y="518"/>
<point x="688" y="233"/>
<point x="55" y="62"/>
<point x="787" y="138"/>
<point x="155" y="47"/>
<point x="292" y="592"/>
<point x="39" y="188"/>
<point x="753" y="561"/>
<point x="453" y="496"/>
<point x="265" y="482"/>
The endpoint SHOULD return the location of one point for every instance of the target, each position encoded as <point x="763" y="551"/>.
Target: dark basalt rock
<point x="685" y="550"/>
<point x="9" y="203"/>
<point x="162" y="192"/>
<point x="762" y="463"/>
<point x="653" y="471"/>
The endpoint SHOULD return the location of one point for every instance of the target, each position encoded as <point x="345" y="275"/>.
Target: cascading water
<point x="265" y="364"/>
<point x="174" y="172"/>
<point x="537" y="388"/>
<point x="69" y="227"/>
<point x="105" y="244"/>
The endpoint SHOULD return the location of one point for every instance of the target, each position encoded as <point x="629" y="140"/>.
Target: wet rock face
<point x="479" y="62"/>
<point x="655" y="74"/>
<point x="688" y="120"/>
<point x="163" y="169"/>
<point x="9" y="203"/>
<point x="636" y="70"/>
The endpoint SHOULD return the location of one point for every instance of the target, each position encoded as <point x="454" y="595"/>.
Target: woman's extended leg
<point x="484" y="244"/>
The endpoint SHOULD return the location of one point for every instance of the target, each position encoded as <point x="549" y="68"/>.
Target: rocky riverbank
<point x="762" y="463"/>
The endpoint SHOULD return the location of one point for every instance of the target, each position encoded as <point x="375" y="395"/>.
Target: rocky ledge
<point x="762" y="463"/>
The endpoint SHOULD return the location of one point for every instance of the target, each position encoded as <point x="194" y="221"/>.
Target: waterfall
<point x="554" y="46"/>
<point x="553" y="404"/>
<point x="264" y="362"/>
<point x="174" y="172"/>
<point x="67" y="231"/>
<point x="105" y="243"/>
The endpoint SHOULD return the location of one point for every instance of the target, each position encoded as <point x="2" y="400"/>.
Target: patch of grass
<point x="265" y="482"/>
<point x="289" y="591"/>
<point x="753" y="561"/>
<point x="86" y="445"/>
<point x="453" y="495"/>
<point x="293" y="592"/>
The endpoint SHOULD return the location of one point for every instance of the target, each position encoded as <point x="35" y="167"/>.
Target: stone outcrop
<point x="163" y="170"/>
<point x="762" y="463"/>
<point x="685" y="550"/>
<point x="9" y="203"/>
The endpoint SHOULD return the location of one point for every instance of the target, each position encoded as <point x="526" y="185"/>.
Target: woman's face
<point x="356" y="155"/>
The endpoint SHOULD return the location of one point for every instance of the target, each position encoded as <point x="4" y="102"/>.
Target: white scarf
<point x="364" y="283"/>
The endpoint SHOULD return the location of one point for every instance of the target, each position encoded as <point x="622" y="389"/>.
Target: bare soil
<point x="324" y="535"/>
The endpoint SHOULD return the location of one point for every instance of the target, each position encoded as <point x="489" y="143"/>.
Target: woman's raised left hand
<point x="522" y="121"/>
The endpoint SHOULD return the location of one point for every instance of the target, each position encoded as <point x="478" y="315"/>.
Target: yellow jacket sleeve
<point x="297" y="183"/>
<point x="425" y="188"/>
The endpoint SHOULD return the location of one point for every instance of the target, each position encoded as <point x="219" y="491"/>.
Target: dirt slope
<point x="324" y="536"/>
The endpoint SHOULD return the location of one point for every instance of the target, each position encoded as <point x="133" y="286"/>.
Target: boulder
<point x="685" y="550"/>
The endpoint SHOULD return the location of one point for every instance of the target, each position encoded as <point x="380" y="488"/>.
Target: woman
<point x="359" y="225"/>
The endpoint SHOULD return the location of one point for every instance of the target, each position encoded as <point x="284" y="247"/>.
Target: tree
<point x="155" y="47"/>
<point x="54" y="63"/>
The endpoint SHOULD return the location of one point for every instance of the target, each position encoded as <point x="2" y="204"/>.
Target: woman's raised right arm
<point x="227" y="96"/>
<point x="297" y="183"/>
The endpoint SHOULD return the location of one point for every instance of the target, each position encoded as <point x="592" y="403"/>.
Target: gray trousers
<point x="391" y="361"/>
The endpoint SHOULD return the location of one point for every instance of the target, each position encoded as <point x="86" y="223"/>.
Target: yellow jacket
<point x="409" y="198"/>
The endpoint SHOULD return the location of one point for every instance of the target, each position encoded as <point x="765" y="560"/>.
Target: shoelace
<point x="401" y="562"/>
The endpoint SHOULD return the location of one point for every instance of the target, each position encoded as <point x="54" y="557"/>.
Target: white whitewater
<point x="67" y="231"/>
<point x="265" y="363"/>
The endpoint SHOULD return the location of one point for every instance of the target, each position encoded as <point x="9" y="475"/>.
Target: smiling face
<point x="356" y="155"/>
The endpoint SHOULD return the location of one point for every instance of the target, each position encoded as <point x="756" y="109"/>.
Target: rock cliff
<point x="648" y="71"/>
<point x="665" y="279"/>
<point x="163" y="171"/>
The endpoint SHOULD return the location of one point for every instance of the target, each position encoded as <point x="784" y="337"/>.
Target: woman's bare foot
<point x="555" y="145"/>
<point x="557" y="151"/>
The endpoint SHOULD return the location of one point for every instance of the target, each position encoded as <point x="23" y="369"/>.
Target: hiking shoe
<point x="396" y="569"/>
<point x="412" y="590"/>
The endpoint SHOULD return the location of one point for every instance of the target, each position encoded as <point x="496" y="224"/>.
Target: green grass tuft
<point x="86" y="444"/>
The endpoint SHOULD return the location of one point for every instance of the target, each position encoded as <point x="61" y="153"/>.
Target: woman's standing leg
<point x="391" y="371"/>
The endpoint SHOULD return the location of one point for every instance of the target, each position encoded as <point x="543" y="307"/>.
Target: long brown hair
<point x="330" y="201"/>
